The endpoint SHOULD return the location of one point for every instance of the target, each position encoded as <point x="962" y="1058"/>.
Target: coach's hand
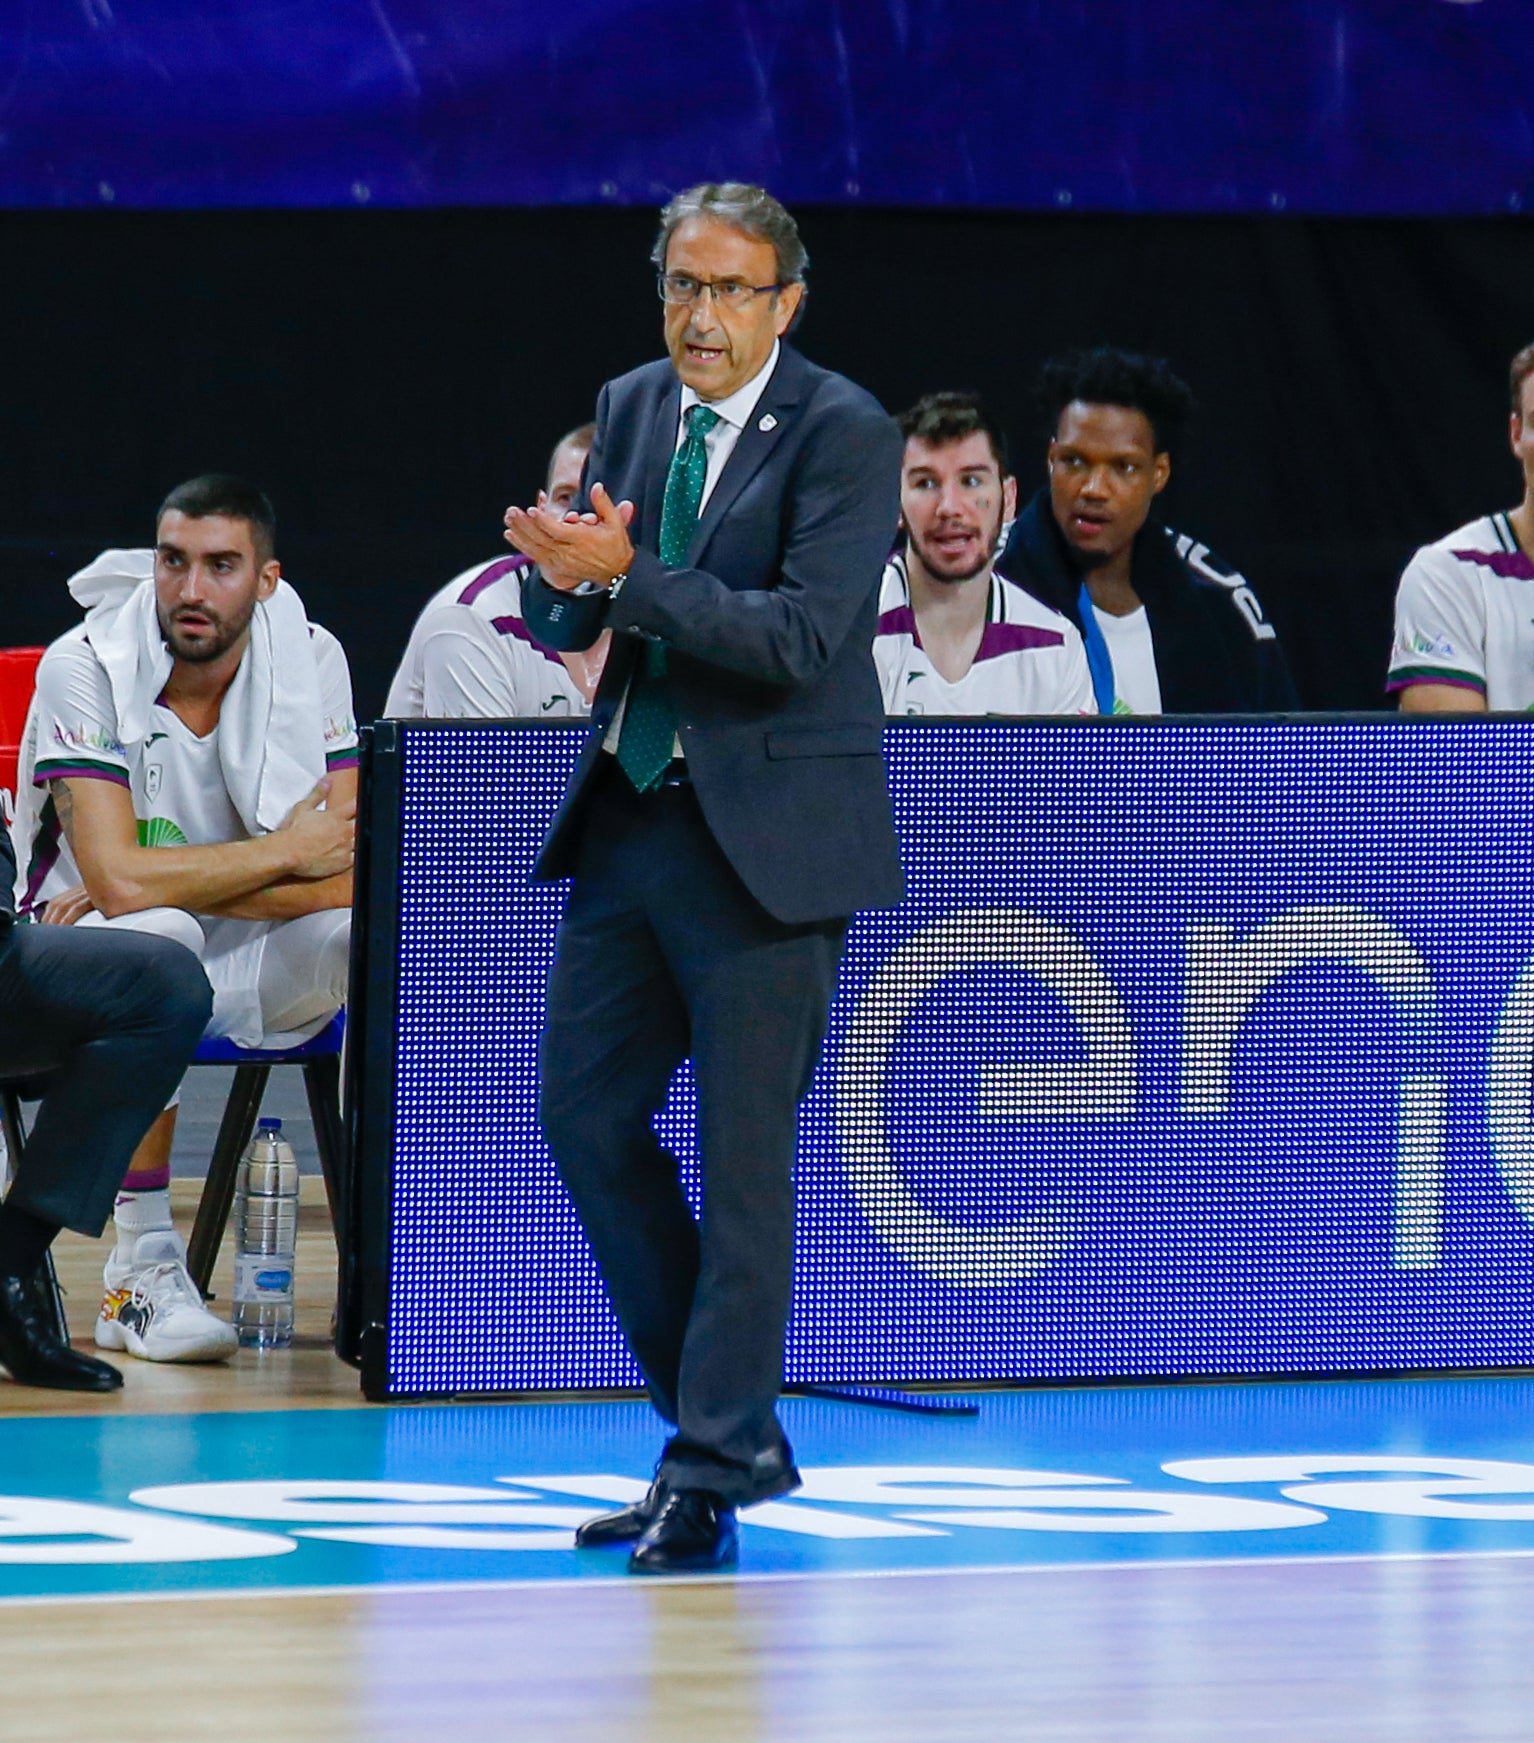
<point x="323" y="842"/>
<point x="571" y="548"/>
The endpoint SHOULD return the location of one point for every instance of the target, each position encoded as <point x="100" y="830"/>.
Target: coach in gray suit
<point x="728" y="816"/>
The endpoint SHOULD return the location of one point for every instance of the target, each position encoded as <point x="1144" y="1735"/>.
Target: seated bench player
<point x="1169" y="629"/>
<point x="189" y="770"/>
<point x="1464" y="625"/>
<point x="954" y="636"/>
<point x="471" y="657"/>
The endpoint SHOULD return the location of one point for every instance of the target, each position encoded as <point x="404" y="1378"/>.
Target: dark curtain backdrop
<point x="393" y="378"/>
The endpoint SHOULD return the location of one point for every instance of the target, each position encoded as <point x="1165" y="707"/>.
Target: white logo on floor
<point x="271" y="1517"/>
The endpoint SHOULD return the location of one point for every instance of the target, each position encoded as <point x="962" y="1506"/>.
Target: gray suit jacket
<point x="769" y="632"/>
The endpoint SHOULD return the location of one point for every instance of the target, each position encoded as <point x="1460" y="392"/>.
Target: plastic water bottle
<point x="266" y="1224"/>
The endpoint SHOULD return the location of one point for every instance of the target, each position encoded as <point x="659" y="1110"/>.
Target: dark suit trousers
<point x="103" y="1025"/>
<point x="662" y="954"/>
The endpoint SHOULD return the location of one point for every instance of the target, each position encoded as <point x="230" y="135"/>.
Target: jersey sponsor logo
<point x="85" y="738"/>
<point x="160" y="832"/>
<point x="1418" y="643"/>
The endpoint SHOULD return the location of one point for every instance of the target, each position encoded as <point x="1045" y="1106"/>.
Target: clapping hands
<point x="571" y="548"/>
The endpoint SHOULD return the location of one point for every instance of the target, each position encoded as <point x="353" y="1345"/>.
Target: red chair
<point x="18" y="674"/>
<point x="18" y="670"/>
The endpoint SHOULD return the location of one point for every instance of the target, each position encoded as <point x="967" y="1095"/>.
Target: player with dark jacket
<point x="1169" y="629"/>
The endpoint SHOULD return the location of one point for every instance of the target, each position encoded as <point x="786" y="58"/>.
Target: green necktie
<point x="649" y="720"/>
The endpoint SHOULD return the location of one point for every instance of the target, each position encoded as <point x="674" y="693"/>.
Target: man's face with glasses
<point x="724" y="308"/>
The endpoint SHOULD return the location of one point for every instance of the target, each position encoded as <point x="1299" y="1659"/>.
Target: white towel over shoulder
<point x="271" y="739"/>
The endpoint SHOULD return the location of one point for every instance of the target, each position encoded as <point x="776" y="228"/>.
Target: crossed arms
<point x="300" y="868"/>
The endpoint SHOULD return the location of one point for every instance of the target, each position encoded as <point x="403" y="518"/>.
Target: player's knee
<point x="174" y="925"/>
<point x="335" y="957"/>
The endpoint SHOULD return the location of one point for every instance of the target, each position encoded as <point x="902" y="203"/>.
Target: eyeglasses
<point x="728" y="293"/>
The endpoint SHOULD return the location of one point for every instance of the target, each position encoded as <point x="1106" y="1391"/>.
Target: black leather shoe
<point x="34" y="1352"/>
<point x="694" y="1532"/>
<point x="627" y="1525"/>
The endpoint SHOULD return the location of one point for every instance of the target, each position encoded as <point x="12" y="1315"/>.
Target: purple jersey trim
<point x="45" y="854"/>
<point x="1015" y="638"/>
<point x="502" y="567"/>
<point x="514" y="627"/>
<point x="1510" y="565"/>
<point x="1405" y="676"/>
<point x="899" y="621"/>
<point x="342" y="759"/>
<point x="77" y="771"/>
<point x="995" y="639"/>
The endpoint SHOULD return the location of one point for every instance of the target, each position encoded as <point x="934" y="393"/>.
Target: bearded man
<point x="955" y="636"/>
<point x="189" y="771"/>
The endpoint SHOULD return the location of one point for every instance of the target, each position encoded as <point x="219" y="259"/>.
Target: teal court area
<point x="474" y="1494"/>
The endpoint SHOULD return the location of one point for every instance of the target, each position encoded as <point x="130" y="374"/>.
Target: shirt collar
<point x="736" y="408"/>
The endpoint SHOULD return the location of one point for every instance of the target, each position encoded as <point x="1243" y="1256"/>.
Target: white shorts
<point x="275" y="982"/>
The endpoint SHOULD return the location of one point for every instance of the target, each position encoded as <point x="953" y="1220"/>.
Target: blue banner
<point x="1357" y="106"/>
<point x="1194" y="1049"/>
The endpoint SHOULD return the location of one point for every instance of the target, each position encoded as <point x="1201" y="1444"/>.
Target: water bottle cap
<point x="268" y="1125"/>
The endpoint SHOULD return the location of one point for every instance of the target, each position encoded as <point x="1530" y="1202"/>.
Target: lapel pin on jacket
<point x="768" y="423"/>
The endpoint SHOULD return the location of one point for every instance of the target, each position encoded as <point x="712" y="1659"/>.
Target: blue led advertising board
<point x="1195" y="1048"/>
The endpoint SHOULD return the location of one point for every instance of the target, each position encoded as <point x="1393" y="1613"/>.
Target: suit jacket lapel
<point x="754" y="444"/>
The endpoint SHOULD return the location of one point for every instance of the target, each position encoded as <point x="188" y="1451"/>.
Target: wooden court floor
<point x="307" y="1375"/>
<point x="1299" y="1653"/>
<point x="1287" y="1651"/>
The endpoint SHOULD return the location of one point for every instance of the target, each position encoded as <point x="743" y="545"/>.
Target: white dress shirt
<point x="735" y="412"/>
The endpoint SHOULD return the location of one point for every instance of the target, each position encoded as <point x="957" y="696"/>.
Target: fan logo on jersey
<point x="160" y="832"/>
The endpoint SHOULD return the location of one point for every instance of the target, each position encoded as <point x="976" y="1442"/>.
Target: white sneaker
<point x="152" y="1308"/>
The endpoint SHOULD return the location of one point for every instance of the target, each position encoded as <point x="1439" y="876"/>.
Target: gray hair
<point x="744" y="207"/>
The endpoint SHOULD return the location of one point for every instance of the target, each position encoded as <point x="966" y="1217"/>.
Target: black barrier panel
<point x="1195" y="1048"/>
